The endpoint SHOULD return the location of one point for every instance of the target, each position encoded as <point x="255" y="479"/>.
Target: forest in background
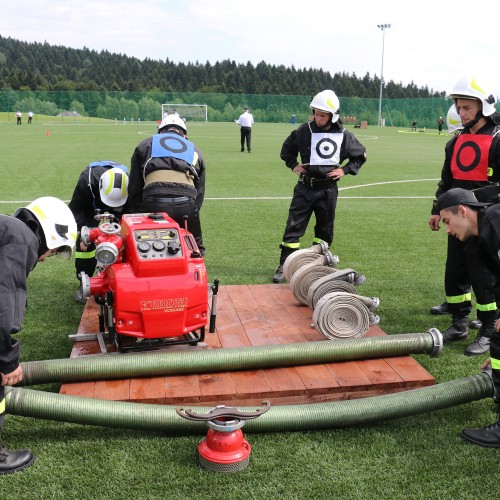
<point x="33" y="66"/>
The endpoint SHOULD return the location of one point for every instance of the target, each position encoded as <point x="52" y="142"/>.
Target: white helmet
<point x="113" y="187"/>
<point x="328" y="102"/>
<point x="467" y="88"/>
<point x="453" y="121"/>
<point x="58" y="224"/>
<point x="173" y="120"/>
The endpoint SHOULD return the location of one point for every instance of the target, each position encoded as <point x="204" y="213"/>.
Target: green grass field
<point x="381" y="231"/>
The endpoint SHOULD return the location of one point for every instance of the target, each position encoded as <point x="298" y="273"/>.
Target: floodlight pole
<point x="383" y="27"/>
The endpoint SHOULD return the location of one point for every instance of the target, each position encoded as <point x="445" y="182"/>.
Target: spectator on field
<point x="440" y="125"/>
<point x="167" y="174"/>
<point x="245" y="121"/>
<point x="414" y="125"/>
<point x="323" y="144"/>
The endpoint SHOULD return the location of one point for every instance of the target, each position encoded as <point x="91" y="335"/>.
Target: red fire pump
<point x="151" y="284"/>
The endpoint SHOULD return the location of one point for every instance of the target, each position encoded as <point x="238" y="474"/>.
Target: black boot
<point x="440" y="309"/>
<point x="279" y="276"/>
<point x="458" y="329"/>
<point x="14" y="460"/>
<point x="488" y="436"/>
<point x="482" y="343"/>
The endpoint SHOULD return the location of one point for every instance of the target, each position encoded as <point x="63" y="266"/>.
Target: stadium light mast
<point x="383" y="27"/>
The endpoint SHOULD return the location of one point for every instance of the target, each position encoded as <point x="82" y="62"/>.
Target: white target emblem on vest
<point x="325" y="148"/>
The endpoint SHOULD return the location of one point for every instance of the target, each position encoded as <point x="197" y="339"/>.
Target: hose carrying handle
<point x="223" y="412"/>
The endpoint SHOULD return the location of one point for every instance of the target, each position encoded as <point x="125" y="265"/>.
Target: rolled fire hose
<point x="344" y="280"/>
<point x="305" y="256"/>
<point x="325" y="285"/>
<point x="304" y="277"/>
<point x="146" y="417"/>
<point x="242" y="358"/>
<point x="341" y="315"/>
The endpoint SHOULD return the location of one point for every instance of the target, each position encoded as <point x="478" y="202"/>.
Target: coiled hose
<point x="344" y="280"/>
<point x="305" y="256"/>
<point x="340" y="315"/>
<point x="73" y="409"/>
<point x="242" y="358"/>
<point x="304" y="277"/>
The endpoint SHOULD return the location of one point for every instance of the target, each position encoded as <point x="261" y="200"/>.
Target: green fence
<point x="221" y="107"/>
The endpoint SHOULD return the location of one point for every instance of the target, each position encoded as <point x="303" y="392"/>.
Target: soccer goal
<point x="190" y="112"/>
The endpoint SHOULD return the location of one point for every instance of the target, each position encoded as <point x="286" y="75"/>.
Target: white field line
<point x="257" y="198"/>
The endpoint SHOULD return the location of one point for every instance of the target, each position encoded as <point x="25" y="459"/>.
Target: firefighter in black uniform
<point x="167" y="174"/>
<point x="465" y="218"/>
<point x="472" y="161"/>
<point x="45" y="227"/>
<point x="323" y="145"/>
<point x="101" y="188"/>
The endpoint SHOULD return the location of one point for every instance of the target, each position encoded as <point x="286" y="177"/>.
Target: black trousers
<point x="178" y="208"/>
<point x="307" y="201"/>
<point x="464" y="268"/>
<point x="84" y="261"/>
<point x="246" y="135"/>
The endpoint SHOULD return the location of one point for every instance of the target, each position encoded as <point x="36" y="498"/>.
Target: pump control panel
<point x="157" y="243"/>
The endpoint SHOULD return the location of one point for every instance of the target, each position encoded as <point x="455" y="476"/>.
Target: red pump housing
<point x="153" y="288"/>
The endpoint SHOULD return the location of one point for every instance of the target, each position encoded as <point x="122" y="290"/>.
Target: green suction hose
<point x="242" y="358"/>
<point x="337" y="414"/>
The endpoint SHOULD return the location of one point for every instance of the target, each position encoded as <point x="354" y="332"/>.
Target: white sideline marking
<point x="241" y="198"/>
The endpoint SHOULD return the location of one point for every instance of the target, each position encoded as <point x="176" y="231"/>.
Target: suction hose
<point x="242" y="358"/>
<point x="74" y="409"/>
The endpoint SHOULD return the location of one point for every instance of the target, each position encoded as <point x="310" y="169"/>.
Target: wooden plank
<point x="81" y="389"/>
<point x="285" y="381"/>
<point x="148" y="389"/>
<point x="182" y="388"/>
<point x="348" y="374"/>
<point x="251" y="384"/>
<point x="410" y="371"/>
<point x="216" y="384"/>
<point x="317" y="378"/>
<point x="112" y="390"/>
<point x="380" y="373"/>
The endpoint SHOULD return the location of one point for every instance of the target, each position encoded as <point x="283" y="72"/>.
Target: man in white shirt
<point x="245" y="121"/>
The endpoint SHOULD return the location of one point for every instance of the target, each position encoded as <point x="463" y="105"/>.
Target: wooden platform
<point x="253" y="315"/>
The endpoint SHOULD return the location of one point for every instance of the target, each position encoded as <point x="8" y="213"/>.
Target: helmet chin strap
<point x="469" y="125"/>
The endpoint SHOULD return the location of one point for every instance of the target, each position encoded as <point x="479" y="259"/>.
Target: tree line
<point x="34" y="66"/>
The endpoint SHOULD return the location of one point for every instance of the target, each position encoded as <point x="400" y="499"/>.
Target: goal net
<point x="190" y="112"/>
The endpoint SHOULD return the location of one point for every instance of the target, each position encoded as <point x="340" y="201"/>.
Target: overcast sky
<point x="430" y="42"/>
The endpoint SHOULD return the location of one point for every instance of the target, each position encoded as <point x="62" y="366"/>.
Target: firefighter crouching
<point x="45" y="227"/>
<point x="102" y="187"/>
